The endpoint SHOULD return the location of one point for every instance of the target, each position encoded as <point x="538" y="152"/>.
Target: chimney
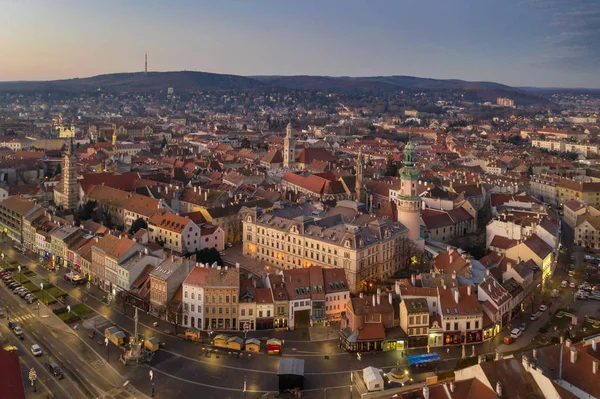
<point x="237" y="265"/>
<point x="481" y="359"/>
<point x="397" y="288"/>
<point x="425" y="392"/>
<point x="359" y="295"/>
<point x="456" y="295"/>
<point x="487" y="272"/>
<point x="374" y="300"/>
<point x="534" y="353"/>
<point x="509" y="266"/>
<point x="469" y="290"/>
<point x="206" y="195"/>
<point x="390" y="297"/>
<point x="452" y="386"/>
<point x="594" y="345"/>
<point x="173" y="258"/>
<point x="499" y="389"/>
<point x="573" y="355"/>
<point x="498" y="356"/>
<point x="453" y="274"/>
<point x="378" y="296"/>
<point x="568" y="343"/>
<point x="595" y="366"/>
<point x="413" y="280"/>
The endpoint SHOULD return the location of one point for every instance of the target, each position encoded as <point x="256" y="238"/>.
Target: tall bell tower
<point x="289" y="148"/>
<point x="360" y="170"/>
<point x="409" y="202"/>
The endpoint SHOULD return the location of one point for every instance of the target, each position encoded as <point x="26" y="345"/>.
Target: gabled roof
<point x="142" y="205"/>
<point x="538" y="246"/>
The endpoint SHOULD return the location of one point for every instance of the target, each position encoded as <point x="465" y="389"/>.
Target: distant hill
<point x="140" y="82"/>
<point x="201" y="81"/>
<point x="485" y="91"/>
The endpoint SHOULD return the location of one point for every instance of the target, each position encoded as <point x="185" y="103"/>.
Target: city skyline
<point x="527" y="43"/>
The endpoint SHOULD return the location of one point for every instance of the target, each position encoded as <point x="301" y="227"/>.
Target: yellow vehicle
<point x="193" y="334"/>
<point x="10" y="348"/>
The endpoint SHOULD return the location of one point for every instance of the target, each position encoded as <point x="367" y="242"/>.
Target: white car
<point x="516" y="333"/>
<point x="543" y="308"/>
<point x="534" y="316"/>
<point x="36" y="350"/>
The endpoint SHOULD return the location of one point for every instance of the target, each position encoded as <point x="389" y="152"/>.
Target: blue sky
<point x="517" y="42"/>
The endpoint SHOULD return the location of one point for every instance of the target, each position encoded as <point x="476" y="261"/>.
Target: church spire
<point x="114" y="136"/>
<point x="358" y="185"/>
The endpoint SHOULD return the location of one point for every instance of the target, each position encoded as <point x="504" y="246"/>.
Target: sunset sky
<point x="516" y="42"/>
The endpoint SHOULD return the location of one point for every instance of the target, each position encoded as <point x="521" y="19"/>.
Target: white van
<point x="516" y="333"/>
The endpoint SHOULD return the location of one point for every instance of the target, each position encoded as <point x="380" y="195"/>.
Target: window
<point x="250" y="312"/>
<point x="455" y="326"/>
<point x="220" y="310"/>
<point x="185" y="294"/>
<point x="193" y="308"/>
<point x="243" y="312"/>
<point x="411" y="320"/>
<point x="227" y="299"/>
<point x="268" y="313"/>
<point x="468" y="325"/>
<point x="193" y="295"/>
<point x="260" y="313"/>
<point x="476" y="324"/>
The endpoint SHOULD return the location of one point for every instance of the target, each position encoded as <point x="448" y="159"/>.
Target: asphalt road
<point x="57" y="345"/>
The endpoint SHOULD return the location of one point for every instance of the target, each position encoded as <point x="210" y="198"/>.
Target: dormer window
<point x="348" y="243"/>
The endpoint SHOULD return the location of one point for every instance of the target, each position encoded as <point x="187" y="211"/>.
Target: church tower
<point x="114" y="136"/>
<point x="409" y="202"/>
<point x="289" y="148"/>
<point x="360" y="170"/>
<point x="69" y="179"/>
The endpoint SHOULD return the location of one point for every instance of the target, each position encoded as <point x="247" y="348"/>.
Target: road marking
<point x="207" y="385"/>
<point x="52" y="345"/>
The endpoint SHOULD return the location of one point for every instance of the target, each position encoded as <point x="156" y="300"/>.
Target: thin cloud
<point x="576" y="41"/>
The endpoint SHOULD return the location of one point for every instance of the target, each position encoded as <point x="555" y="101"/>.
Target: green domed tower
<point x="409" y="202"/>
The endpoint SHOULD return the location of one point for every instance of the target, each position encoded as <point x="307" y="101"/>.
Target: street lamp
<point x="33" y="378"/>
<point x="20" y="275"/>
<point x="43" y="292"/>
<point x="107" y="350"/>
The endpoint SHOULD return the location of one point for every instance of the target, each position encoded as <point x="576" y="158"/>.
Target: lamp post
<point x="33" y="378"/>
<point x="151" y="375"/>
<point x="107" y="350"/>
<point x="20" y="275"/>
<point x="43" y="292"/>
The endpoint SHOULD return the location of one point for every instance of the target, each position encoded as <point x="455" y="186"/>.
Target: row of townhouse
<point x="177" y="233"/>
<point x="215" y="298"/>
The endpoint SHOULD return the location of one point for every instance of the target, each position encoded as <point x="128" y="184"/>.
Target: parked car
<point x="32" y="299"/>
<point x="56" y="370"/>
<point x="555" y="293"/>
<point x="564" y="284"/>
<point x="534" y="316"/>
<point x="543" y="308"/>
<point x="36" y="350"/>
<point x="11" y="325"/>
<point x="523" y="326"/>
<point x="572" y="285"/>
<point x="229" y="245"/>
<point x="24" y="293"/>
<point x="571" y="273"/>
<point x="515" y="333"/>
<point x="589" y="257"/>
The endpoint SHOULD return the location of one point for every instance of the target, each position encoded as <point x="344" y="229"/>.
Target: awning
<point x="423" y="359"/>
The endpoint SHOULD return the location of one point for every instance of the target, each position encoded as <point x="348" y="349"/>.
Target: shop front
<point x="370" y="337"/>
<point x="452" y="338"/>
<point x="474" y="336"/>
<point x="491" y="331"/>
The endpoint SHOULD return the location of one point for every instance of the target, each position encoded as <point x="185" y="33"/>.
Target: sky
<point x="544" y="43"/>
